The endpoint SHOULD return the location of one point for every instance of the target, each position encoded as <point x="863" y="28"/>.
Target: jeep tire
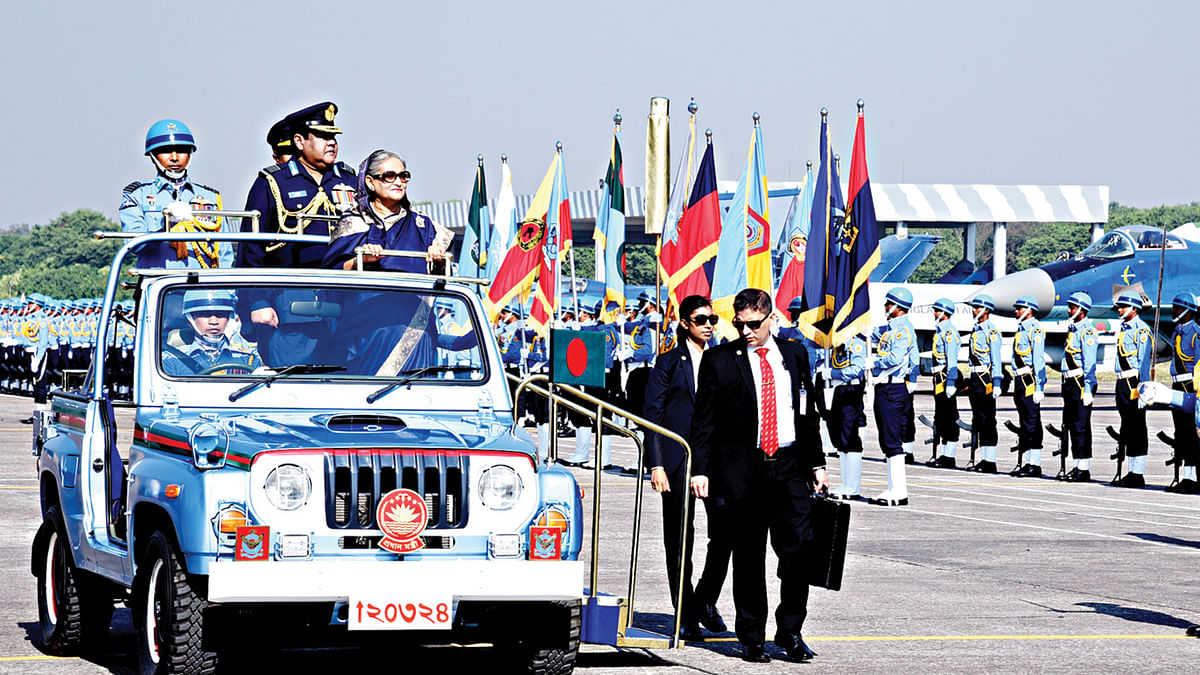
<point x="168" y="615"/>
<point x="551" y="650"/>
<point x="74" y="608"/>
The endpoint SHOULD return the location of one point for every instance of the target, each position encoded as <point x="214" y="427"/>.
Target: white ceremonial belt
<point x="1182" y="377"/>
<point x="857" y="380"/>
<point x="1023" y="370"/>
<point x="1126" y="374"/>
<point x="980" y="369"/>
<point x="939" y="369"/>
<point x="1074" y="372"/>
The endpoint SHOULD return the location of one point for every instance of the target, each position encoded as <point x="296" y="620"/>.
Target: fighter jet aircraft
<point x="1125" y="259"/>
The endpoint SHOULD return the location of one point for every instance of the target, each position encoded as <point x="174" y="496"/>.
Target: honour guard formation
<point x="740" y="388"/>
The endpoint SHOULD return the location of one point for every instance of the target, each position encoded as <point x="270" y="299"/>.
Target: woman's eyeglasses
<point x="701" y="319"/>
<point x="392" y="176"/>
<point x="752" y="325"/>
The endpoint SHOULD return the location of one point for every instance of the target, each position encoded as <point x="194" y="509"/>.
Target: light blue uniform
<point x="141" y="209"/>
<point x="1029" y="355"/>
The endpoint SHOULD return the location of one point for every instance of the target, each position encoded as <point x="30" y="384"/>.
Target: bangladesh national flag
<point x="577" y="357"/>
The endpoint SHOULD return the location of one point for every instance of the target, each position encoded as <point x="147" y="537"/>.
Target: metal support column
<point x="999" y="250"/>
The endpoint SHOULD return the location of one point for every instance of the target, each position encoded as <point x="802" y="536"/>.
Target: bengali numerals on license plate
<point x="424" y="613"/>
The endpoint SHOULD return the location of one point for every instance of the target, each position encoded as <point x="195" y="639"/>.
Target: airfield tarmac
<point x="978" y="574"/>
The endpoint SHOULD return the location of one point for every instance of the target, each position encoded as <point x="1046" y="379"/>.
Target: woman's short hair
<point x="692" y="303"/>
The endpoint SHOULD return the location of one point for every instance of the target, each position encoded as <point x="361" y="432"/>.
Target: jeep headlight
<point x="288" y="487"/>
<point x="499" y="487"/>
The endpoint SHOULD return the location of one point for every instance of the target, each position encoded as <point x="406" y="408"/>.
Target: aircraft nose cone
<point x="1007" y="289"/>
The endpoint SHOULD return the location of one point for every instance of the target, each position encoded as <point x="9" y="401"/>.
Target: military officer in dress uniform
<point x="208" y="352"/>
<point x="171" y="201"/>
<point x="894" y="357"/>
<point x="1132" y="367"/>
<point x="1029" y="371"/>
<point x="1183" y="360"/>
<point x="36" y="329"/>
<point x="945" y="383"/>
<point x="313" y="183"/>
<point x="986" y="375"/>
<point x="1079" y="385"/>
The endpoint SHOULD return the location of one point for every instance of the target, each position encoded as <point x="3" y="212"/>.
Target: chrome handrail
<point x="600" y="422"/>
<point x="359" y="251"/>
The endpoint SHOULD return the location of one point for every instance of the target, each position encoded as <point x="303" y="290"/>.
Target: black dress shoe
<point x="1187" y="487"/>
<point x="1016" y="471"/>
<point x="711" y="619"/>
<point x="1194" y="631"/>
<point x="795" y="647"/>
<point x="1132" y="480"/>
<point x="27" y="420"/>
<point x="1030" y="471"/>
<point x="942" y="462"/>
<point x="755" y="654"/>
<point x="1078" y="475"/>
<point x="691" y="632"/>
<point x="573" y="465"/>
<point x="984" y="467"/>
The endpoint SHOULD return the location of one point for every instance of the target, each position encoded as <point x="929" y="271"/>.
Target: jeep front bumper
<point x="318" y="581"/>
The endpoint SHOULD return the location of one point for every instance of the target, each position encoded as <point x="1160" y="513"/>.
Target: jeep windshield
<point x="245" y="332"/>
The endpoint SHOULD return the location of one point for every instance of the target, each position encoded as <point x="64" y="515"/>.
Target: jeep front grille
<point x="355" y="483"/>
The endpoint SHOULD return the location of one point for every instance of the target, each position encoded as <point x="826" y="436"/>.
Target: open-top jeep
<point x="363" y="472"/>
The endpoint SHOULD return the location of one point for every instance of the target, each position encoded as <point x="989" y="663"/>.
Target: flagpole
<point x="483" y="238"/>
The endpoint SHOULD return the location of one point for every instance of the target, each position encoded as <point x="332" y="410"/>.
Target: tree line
<point x="62" y="260"/>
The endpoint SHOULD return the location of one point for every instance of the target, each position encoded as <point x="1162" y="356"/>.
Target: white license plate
<point x="402" y="613"/>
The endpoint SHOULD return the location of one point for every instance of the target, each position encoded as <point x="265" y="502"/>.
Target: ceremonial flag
<point x="694" y="244"/>
<point x="557" y="243"/>
<point x="794" y="242"/>
<point x="472" y="256"/>
<point x="523" y="258"/>
<point x="610" y="233"/>
<point x="857" y="246"/>
<point x="678" y="201"/>
<point x="744" y="254"/>
<point x="505" y="225"/>
<point x="827" y="212"/>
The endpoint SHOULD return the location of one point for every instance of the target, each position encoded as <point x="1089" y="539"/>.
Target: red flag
<point x="692" y="250"/>
<point x="558" y="242"/>
<point x="522" y="260"/>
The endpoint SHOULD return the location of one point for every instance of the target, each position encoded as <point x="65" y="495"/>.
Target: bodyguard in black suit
<point x="670" y="396"/>
<point x="756" y="441"/>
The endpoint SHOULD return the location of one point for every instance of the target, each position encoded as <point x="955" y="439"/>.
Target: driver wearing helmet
<point x="209" y="352"/>
<point x="171" y="201"/>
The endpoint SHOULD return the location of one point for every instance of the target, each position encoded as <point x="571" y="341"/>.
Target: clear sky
<point x="957" y="92"/>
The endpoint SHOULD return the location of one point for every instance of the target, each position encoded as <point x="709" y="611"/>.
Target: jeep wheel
<point x="550" y="650"/>
<point x="168" y="615"/>
<point x="73" y="608"/>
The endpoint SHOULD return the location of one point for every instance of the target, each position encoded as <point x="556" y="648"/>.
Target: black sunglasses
<point x="392" y="176"/>
<point x="753" y="325"/>
<point x="701" y="319"/>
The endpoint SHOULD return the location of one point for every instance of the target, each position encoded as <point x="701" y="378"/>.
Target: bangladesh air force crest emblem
<point x="402" y="516"/>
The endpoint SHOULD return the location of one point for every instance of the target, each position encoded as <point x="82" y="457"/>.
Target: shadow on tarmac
<point x="1135" y="614"/>
<point x="1161" y="539"/>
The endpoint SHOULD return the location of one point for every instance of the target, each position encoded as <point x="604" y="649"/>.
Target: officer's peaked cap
<point x="317" y="117"/>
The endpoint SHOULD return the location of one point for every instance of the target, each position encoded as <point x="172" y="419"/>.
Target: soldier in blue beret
<point x="171" y="201"/>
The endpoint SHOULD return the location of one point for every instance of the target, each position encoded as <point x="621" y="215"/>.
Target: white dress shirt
<point x="696" y="353"/>
<point x="784" y="417"/>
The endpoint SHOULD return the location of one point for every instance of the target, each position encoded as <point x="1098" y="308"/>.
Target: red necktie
<point x="768" y="432"/>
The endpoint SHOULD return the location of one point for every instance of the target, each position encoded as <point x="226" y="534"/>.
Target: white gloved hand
<point x="828" y="391"/>
<point x="1087" y="399"/>
<point x="624" y="353"/>
<point x="1038" y="397"/>
<point x="996" y="392"/>
<point x="178" y="211"/>
<point x="950" y="391"/>
<point x="912" y="387"/>
<point x="1150" y="393"/>
<point x="524" y="353"/>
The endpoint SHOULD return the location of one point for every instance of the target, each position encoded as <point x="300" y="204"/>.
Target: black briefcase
<point x="830" y="527"/>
